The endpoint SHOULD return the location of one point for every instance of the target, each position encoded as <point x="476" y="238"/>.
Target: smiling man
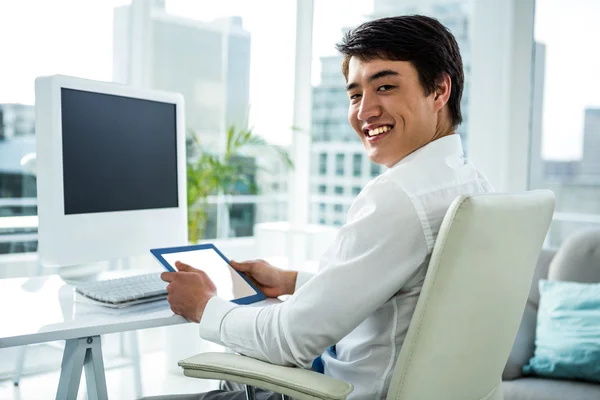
<point x="404" y="80"/>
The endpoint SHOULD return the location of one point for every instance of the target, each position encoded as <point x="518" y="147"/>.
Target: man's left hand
<point x="189" y="291"/>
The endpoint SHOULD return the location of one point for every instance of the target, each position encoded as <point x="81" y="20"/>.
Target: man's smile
<point x="374" y="133"/>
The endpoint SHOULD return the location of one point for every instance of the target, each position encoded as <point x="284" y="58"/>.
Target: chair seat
<point x="549" y="389"/>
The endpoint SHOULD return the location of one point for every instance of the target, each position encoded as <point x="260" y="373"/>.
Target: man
<point x="404" y="81"/>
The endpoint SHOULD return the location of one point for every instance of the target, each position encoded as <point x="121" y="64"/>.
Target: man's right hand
<point x="272" y="281"/>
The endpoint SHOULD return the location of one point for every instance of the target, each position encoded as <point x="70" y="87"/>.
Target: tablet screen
<point x="230" y="285"/>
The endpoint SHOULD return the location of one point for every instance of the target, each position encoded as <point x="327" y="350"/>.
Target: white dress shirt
<point x="369" y="280"/>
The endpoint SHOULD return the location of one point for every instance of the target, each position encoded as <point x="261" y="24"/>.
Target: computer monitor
<point x="111" y="170"/>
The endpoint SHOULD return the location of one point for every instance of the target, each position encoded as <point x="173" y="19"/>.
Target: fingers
<point x="183" y="267"/>
<point x="236" y="265"/>
<point x="167" y="276"/>
<point x="245" y="266"/>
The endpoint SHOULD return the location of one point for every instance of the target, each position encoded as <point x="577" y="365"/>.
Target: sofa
<point x="578" y="259"/>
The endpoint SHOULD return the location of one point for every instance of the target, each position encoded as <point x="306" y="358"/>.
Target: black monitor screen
<point x="119" y="153"/>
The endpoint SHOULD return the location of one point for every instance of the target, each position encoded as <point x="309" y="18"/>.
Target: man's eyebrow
<point x="351" y="86"/>
<point x="382" y="74"/>
<point x="375" y="76"/>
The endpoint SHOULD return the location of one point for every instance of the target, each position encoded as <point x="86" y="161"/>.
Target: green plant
<point x="209" y="173"/>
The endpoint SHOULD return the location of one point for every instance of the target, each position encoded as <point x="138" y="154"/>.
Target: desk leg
<point x="80" y="353"/>
<point x="135" y="359"/>
<point x="21" y="352"/>
<point x="19" y="365"/>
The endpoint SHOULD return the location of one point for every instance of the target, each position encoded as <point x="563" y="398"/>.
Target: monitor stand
<point x="114" y="268"/>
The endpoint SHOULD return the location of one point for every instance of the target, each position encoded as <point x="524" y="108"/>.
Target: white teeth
<point x="379" y="130"/>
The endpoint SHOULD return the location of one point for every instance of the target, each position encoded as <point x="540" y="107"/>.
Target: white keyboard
<point x="127" y="290"/>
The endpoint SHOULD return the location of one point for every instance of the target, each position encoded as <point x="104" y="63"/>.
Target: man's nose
<point x="369" y="108"/>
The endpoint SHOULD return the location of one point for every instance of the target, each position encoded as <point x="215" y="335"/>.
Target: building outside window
<point x="323" y="164"/>
<point x="565" y="114"/>
<point x="375" y="169"/>
<point x="339" y="164"/>
<point x="115" y="51"/>
<point x="357" y="165"/>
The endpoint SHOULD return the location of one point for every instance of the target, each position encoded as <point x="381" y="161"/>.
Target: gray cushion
<point x="578" y="258"/>
<point x="549" y="389"/>
<point x="524" y="344"/>
<point x="541" y="272"/>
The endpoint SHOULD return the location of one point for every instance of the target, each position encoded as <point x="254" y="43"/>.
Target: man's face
<point x="388" y="109"/>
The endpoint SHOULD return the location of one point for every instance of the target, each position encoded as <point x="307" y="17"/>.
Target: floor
<point x="42" y="364"/>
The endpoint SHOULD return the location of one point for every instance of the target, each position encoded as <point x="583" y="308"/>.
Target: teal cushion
<point x="567" y="343"/>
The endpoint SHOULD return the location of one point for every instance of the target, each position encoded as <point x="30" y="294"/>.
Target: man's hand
<point x="189" y="291"/>
<point x="272" y="281"/>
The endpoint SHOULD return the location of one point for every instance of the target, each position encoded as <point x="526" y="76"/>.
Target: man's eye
<point x="354" y="96"/>
<point x="384" y="88"/>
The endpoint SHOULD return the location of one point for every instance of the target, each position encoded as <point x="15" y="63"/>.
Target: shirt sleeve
<point x="302" y="278"/>
<point x="373" y="256"/>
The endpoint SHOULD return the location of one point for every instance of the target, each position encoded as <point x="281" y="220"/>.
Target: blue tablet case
<point x="158" y="253"/>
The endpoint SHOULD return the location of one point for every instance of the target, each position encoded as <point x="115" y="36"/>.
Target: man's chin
<point x="375" y="156"/>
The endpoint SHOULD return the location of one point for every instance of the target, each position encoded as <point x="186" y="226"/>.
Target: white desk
<point x="42" y="309"/>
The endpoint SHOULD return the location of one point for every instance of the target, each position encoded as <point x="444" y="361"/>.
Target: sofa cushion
<point x="541" y="272"/>
<point x="549" y="389"/>
<point x="577" y="259"/>
<point x="523" y="347"/>
<point x="568" y="331"/>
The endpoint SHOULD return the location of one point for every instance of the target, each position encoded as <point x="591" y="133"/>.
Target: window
<point x="323" y="207"/>
<point x="339" y="164"/>
<point x="338" y="208"/>
<point x="357" y="164"/>
<point x="94" y="40"/>
<point x="322" y="189"/>
<point x="323" y="164"/>
<point x="339" y="190"/>
<point x="565" y="117"/>
<point x="356" y="190"/>
<point x="87" y="58"/>
<point x="375" y="169"/>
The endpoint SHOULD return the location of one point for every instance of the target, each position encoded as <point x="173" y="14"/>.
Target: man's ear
<point x="442" y="91"/>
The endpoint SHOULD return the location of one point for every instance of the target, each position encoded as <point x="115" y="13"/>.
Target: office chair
<point x="466" y="318"/>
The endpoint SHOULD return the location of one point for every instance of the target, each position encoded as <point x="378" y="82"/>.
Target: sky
<point x="570" y="29"/>
<point x="74" y="37"/>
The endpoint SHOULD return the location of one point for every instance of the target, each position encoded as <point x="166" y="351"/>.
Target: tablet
<point x="231" y="284"/>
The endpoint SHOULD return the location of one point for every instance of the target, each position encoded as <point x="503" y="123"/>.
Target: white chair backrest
<point x="473" y="297"/>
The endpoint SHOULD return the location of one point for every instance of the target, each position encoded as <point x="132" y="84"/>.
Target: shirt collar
<point x="450" y="145"/>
